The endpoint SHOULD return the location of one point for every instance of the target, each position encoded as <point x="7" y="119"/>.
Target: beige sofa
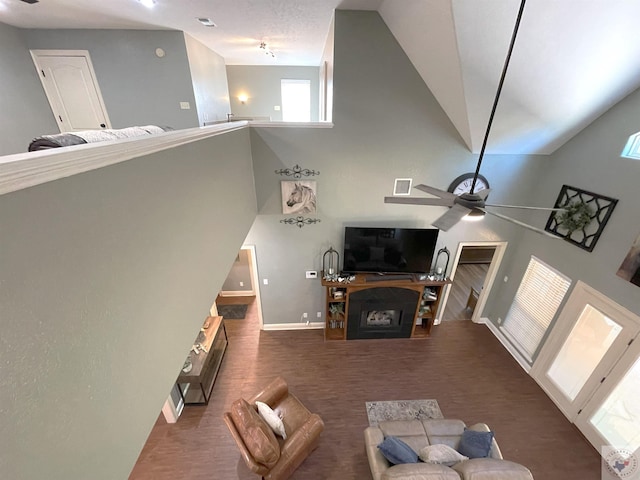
<point x="420" y="433"/>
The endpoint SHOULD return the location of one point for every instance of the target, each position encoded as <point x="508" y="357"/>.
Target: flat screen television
<point x="388" y="250"/>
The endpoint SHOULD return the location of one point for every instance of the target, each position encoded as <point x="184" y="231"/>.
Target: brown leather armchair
<point x="274" y="458"/>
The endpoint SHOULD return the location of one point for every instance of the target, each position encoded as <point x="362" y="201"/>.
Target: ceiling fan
<point x="472" y="205"/>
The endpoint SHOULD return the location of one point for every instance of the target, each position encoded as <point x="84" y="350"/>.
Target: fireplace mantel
<point x="404" y="308"/>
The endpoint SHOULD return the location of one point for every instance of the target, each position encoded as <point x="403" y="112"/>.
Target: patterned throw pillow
<point x="443" y="454"/>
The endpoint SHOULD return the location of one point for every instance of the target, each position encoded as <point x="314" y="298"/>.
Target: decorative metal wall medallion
<point x="598" y="207"/>
<point x="297" y="172"/>
<point x="300" y="221"/>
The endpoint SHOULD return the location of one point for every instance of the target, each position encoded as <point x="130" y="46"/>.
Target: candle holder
<point x="330" y="263"/>
<point x="438" y="272"/>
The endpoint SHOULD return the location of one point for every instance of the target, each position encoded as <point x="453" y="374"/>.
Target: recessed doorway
<point x="475" y="266"/>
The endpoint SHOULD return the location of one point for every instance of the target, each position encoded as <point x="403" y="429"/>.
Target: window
<point x="534" y="306"/>
<point x="632" y="148"/>
<point x="296" y="100"/>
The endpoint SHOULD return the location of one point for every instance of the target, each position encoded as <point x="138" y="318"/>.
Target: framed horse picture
<point x="298" y="197"/>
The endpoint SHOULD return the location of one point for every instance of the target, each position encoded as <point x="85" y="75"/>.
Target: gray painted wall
<point x="209" y="77"/>
<point x="387" y="125"/>
<point x="591" y="160"/>
<point x="107" y="277"/>
<point x="24" y="110"/>
<point x="262" y="84"/>
<point x="240" y="272"/>
<point x="138" y="87"/>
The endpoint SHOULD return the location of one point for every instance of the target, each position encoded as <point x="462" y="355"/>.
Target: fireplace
<point x="381" y="312"/>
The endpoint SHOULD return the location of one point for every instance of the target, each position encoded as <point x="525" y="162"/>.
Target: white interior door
<point x="72" y="89"/>
<point x="589" y="338"/>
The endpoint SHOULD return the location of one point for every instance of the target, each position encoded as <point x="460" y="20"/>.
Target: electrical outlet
<point x="499" y="321"/>
<point x="506" y="279"/>
<point x="242" y="284"/>
<point x="265" y="281"/>
<point x="319" y="315"/>
<point x="304" y="315"/>
<point x="185" y="106"/>
<point x="276" y="108"/>
<point x="311" y="274"/>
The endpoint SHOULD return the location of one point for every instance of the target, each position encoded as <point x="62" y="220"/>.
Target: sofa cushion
<point x="256" y="434"/>
<point x="492" y="469"/>
<point x="444" y="431"/>
<point x="439" y="453"/>
<point x="272" y="419"/>
<point x="475" y="444"/>
<point x="419" y="471"/>
<point x="396" y="451"/>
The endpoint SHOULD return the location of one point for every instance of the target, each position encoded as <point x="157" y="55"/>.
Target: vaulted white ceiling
<point x="572" y="61"/>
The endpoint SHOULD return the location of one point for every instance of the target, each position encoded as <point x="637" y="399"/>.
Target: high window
<point x="296" y="100"/>
<point x="632" y="148"/>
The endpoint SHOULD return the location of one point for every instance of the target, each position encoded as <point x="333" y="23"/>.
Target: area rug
<point x="232" y="312"/>
<point x="402" y="410"/>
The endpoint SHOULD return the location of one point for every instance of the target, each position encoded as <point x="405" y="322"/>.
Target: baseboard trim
<point x="293" y="326"/>
<point x="507" y="344"/>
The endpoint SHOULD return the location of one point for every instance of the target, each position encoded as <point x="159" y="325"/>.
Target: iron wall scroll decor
<point x="599" y="207"/>
<point x="300" y="221"/>
<point x="297" y="172"/>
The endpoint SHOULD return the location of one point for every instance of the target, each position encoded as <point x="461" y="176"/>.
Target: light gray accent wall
<point x="591" y="161"/>
<point x="107" y="277"/>
<point x="262" y="85"/>
<point x="387" y="125"/>
<point x="209" y="76"/>
<point x="138" y="87"/>
<point x="240" y="272"/>
<point x="24" y="110"/>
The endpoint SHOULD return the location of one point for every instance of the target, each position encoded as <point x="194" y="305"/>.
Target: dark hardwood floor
<point x="462" y="365"/>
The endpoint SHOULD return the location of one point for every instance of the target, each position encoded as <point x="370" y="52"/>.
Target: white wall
<point x="107" y="277"/>
<point x="262" y="85"/>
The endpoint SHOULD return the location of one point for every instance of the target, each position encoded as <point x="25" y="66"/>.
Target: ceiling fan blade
<point x="449" y="219"/>
<point x="443" y="202"/>
<point x="522" y="224"/>
<point x="524" y="207"/>
<point x="483" y="194"/>
<point x="435" y="191"/>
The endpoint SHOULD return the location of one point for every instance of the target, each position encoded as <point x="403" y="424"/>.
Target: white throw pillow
<point x="441" y="454"/>
<point x="272" y="419"/>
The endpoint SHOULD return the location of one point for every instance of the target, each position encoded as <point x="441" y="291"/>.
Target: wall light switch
<point x="185" y="105"/>
<point x="276" y="108"/>
<point x="265" y="281"/>
<point x="506" y="279"/>
<point x="242" y="284"/>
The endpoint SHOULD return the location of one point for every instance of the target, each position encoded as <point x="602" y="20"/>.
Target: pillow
<point x="475" y="444"/>
<point x="396" y="451"/>
<point x="256" y="434"/>
<point x="272" y="419"/>
<point x="441" y="454"/>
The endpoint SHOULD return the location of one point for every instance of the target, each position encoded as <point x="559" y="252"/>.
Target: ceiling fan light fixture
<point x="474" y="216"/>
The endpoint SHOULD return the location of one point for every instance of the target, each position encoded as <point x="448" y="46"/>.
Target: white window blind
<point x="534" y="306"/>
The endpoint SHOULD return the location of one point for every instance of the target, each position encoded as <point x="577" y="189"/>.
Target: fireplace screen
<point x="380" y="318"/>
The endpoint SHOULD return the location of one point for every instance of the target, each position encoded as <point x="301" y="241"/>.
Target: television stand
<point x="385" y="277"/>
